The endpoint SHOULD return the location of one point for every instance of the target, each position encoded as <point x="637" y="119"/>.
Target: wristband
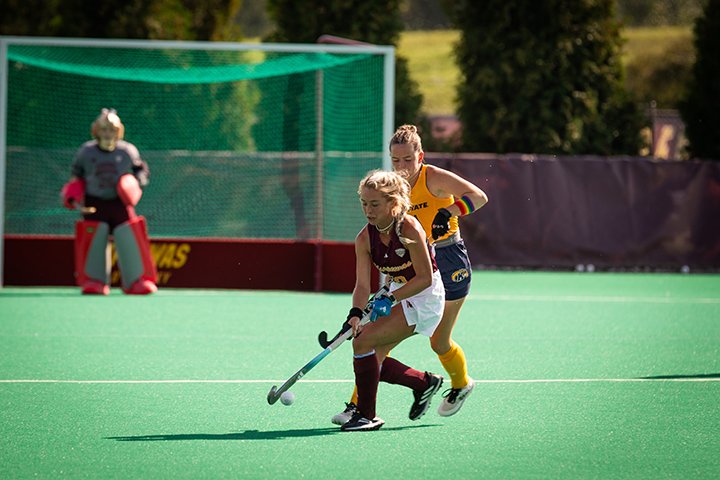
<point x="465" y="205"/>
<point x="355" y="312"/>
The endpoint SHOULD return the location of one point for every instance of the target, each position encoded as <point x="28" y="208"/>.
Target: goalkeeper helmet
<point x="107" y="129"/>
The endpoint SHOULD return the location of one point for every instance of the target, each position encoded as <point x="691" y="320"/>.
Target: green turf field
<point x="580" y="376"/>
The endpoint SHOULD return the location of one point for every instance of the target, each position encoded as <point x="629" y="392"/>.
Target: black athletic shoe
<point x="422" y="398"/>
<point x="358" y="423"/>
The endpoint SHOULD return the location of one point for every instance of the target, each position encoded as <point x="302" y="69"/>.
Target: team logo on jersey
<point x="460" y="275"/>
<point x="400" y="252"/>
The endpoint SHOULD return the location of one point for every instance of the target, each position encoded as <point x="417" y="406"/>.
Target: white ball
<point x="287" y="398"/>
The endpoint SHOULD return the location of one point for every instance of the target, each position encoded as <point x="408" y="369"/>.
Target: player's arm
<point x="142" y="174"/>
<point x="443" y="183"/>
<point x="77" y="170"/>
<point x="73" y="192"/>
<point x="412" y="230"/>
<point x="363" y="272"/>
<point x="363" y="269"/>
<point x="468" y="197"/>
<point x="130" y="185"/>
<point x="140" y="168"/>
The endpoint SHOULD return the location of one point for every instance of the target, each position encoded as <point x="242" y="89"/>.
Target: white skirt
<point x="425" y="309"/>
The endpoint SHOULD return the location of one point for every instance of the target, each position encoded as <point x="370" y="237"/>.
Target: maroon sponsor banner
<point x="548" y="212"/>
<point x="197" y="263"/>
<point x="622" y="213"/>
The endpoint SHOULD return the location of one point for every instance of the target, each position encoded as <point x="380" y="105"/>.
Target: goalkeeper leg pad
<point x="92" y="257"/>
<point x="137" y="268"/>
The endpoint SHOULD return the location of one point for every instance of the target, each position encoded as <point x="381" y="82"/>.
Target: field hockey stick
<point x="323" y="336"/>
<point x="83" y="209"/>
<point x="275" y="392"/>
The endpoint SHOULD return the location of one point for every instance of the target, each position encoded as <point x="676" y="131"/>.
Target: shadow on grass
<point x="251" y="434"/>
<point x="670" y="377"/>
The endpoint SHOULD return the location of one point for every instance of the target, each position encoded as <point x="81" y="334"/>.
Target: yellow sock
<point x="455" y="364"/>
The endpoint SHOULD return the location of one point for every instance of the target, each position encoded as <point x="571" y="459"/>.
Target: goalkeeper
<point x="106" y="181"/>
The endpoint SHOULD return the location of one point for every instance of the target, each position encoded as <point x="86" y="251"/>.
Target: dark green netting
<point x="167" y="66"/>
<point x="240" y="144"/>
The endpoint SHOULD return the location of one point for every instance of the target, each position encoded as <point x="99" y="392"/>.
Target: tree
<point x="661" y="76"/>
<point x="658" y="12"/>
<point x="138" y="19"/>
<point x="701" y="106"/>
<point x="543" y="77"/>
<point x="371" y="21"/>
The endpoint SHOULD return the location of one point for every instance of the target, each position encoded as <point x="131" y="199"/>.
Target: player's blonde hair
<point x="407" y="134"/>
<point x="395" y="188"/>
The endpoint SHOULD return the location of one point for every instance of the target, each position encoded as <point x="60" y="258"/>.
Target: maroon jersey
<point x="394" y="259"/>
<point x="102" y="169"/>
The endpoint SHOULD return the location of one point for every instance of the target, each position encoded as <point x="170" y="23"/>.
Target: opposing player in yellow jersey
<point x="438" y="198"/>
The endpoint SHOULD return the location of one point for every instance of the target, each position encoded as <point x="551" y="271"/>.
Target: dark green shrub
<point x="701" y="107"/>
<point x="543" y="77"/>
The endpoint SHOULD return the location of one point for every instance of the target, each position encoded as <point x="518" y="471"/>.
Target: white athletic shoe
<point x="454" y="399"/>
<point x="343" y="417"/>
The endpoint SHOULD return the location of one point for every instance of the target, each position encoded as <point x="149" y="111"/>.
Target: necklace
<point x="414" y="177"/>
<point x="386" y="229"/>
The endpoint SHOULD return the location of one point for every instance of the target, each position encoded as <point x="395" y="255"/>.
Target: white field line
<point x="545" y="380"/>
<point x="593" y="298"/>
<point x="481" y="296"/>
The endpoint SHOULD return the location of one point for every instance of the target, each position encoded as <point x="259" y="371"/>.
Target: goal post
<point x="260" y="141"/>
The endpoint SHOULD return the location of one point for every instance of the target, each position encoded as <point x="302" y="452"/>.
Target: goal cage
<point x="258" y="141"/>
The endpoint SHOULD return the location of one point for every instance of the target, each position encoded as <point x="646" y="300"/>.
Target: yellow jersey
<point x="425" y="206"/>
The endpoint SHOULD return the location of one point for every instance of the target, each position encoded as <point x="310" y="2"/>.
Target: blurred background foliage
<point x="700" y="105"/>
<point x="657" y="49"/>
<point x="140" y="19"/>
<point x="370" y="21"/>
<point x="543" y="77"/>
